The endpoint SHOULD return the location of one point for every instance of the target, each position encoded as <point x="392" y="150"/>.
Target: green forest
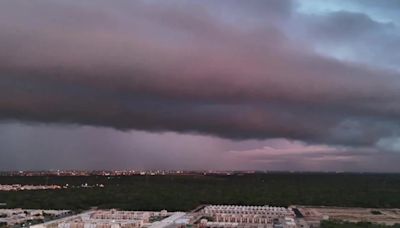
<point x="180" y="192"/>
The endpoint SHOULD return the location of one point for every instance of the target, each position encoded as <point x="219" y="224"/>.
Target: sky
<point x="288" y="85"/>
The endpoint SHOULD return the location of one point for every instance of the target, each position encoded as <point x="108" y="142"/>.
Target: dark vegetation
<point x="341" y="224"/>
<point x="187" y="192"/>
<point x="375" y="212"/>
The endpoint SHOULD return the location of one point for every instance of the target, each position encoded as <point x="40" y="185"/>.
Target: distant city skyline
<point x="296" y="85"/>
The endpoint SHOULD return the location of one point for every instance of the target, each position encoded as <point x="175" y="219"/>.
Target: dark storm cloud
<point x="186" y="67"/>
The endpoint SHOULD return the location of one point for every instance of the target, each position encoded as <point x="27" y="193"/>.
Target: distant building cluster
<point x="257" y="216"/>
<point x="121" y="173"/>
<point x="111" y="219"/>
<point x="107" y="219"/>
<point x="19" y="187"/>
<point x="124" y="215"/>
<point x="26" y="217"/>
<point x="205" y="216"/>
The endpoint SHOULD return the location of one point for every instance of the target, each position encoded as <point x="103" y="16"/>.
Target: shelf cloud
<point x="238" y="70"/>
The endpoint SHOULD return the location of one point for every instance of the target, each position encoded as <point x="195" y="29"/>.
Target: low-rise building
<point x="261" y="216"/>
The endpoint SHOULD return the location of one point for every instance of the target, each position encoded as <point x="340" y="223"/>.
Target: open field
<point x="387" y="216"/>
<point x="177" y="192"/>
<point x="341" y="224"/>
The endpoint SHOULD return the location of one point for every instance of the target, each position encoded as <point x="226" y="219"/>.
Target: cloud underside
<point x="159" y="67"/>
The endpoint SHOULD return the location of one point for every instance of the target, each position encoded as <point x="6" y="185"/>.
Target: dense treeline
<point x="186" y="192"/>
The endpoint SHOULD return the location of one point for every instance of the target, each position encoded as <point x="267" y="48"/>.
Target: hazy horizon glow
<point x="261" y="85"/>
